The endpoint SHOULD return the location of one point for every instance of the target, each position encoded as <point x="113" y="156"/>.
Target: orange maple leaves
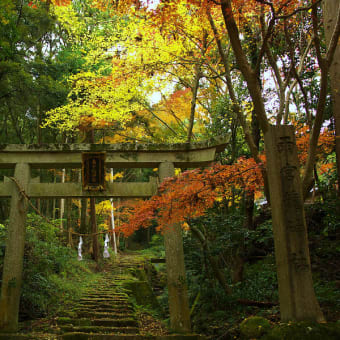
<point x="193" y="192"/>
<point x="326" y="142"/>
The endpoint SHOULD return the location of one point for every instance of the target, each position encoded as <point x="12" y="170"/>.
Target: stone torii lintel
<point x="121" y="155"/>
<point x="75" y="190"/>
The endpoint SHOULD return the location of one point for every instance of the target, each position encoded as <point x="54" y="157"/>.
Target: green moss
<point x="76" y="322"/>
<point x="304" y="331"/>
<point x="64" y="320"/>
<point x="254" y="327"/>
<point x="143" y="293"/>
<point x="139" y="274"/>
<point x="75" y="336"/>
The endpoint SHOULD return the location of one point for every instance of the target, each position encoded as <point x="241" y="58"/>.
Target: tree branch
<point x="236" y="107"/>
<point x="248" y="73"/>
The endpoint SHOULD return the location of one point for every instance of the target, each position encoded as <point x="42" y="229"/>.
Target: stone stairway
<point x="103" y="310"/>
<point x="105" y="313"/>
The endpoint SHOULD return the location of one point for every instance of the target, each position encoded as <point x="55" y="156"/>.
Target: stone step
<point x="86" y="336"/>
<point x="104" y="309"/>
<point x="104" y="296"/>
<point x="105" y="293"/>
<point x="110" y="302"/>
<point x="103" y="299"/>
<point x="104" y="302"/>
<point x="105" y="315"/>
<point x="107" y="322"/>
<point x="115" y="322"/>
<point x="100" y="329"/>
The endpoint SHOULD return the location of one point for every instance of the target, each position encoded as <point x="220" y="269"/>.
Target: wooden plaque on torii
<point x="93" y="171"/>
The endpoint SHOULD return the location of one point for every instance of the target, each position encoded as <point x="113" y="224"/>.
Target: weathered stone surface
<point x="296" y="292"/>
<point x="143" y="293"/>
<point x="100" y="329"/>
<point x="175" y="268"/>
<point x="74" y="190"/>
<point x="117" y="155"/>
<point x="14" y="256"/>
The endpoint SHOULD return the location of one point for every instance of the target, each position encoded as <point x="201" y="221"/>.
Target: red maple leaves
<point x="193" y="192"/>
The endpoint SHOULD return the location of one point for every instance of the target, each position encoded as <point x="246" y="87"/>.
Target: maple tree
<point x="191" y="193"/>
<point x="329" y="8"/>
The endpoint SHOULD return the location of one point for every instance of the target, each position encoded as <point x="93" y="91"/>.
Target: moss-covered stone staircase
<point x="105" y="312"/>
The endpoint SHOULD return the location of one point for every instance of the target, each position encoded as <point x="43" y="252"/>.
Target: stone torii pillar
<point x="175" y="268"/>
<point x="13" y="264"/>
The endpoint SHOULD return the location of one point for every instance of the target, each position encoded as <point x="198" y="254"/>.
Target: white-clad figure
<point x="80" y="257"/>
<point x="106" y="253"/>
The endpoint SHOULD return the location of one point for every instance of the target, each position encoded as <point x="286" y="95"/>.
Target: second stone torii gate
<point x="24" y="157"/>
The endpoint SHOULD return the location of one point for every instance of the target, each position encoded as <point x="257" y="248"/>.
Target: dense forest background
<point x="179" y="71"/>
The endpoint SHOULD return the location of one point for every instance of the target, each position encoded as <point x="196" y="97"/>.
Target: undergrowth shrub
<point x="52" y="274"/>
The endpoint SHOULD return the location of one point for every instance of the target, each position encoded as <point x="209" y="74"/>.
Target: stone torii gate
<point x="51" y="156"/>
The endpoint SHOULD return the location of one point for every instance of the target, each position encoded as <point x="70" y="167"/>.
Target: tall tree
<point x="331" y="17"/>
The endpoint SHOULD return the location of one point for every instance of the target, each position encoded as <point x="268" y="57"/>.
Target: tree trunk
<point x="330" y="9"/>
<point x="324" y="63"/>
<point x="252" y="138"/>
<point x="94" y="229"/>
<point x="83" y="216"/>
<point x="39" y="120"/>
<point x="214" y="265"/>
<point x="69" y="221"/>
<point x="54" y="199"/>
<point x="237" y="268"/>
<point x="194" y="90"/>
<point x="242" y="62"/>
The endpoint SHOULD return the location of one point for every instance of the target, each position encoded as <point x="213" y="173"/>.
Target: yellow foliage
<point x="104" y="226"/>
<point x="133" y="58"/>
<point x="110" y="178"/>
<point x="104" y="207"/>
<point x="178" y="171"/>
